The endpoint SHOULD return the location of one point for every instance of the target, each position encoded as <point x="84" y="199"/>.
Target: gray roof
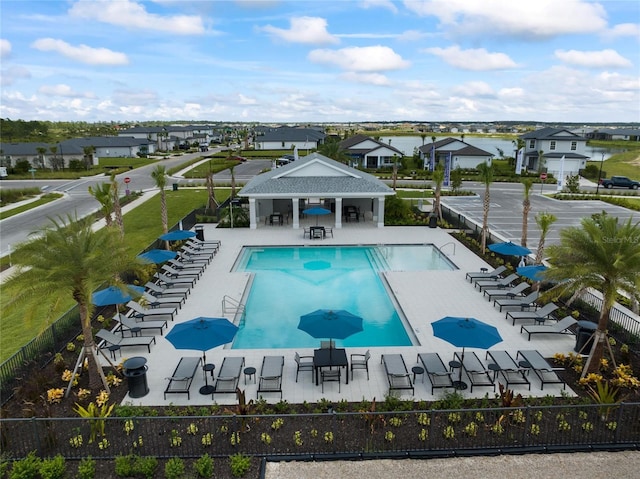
<point x="549" y="134"/>
<point x="74" y="146"/>
<point x="347" y="181"/>
<point x="468" y="150"/>
<point x="286" y="133"/>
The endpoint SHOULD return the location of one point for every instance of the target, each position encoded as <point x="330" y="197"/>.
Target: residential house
<point x="545" y="149"/>
<point x="463" y="155"/>
<point x="370" y="153"/>
<point x="287" y="138"/>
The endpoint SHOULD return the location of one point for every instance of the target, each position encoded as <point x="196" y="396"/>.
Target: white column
<point x="381" y="212"/>
<point x="338" y="213"/>
<point x="253" y="223"/>
<point x="296" y="213"/>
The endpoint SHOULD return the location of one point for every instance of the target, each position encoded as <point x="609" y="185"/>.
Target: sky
<point x="302" y="61"/>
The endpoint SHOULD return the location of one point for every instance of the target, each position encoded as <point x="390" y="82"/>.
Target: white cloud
<point x="539" y="19"/>
<point x="593" y="59"/>
<point x="474" y="88"/>
<point x="5" y="48"/>
<point x="63" y="90"/>
<point x="360" y="59"/>
<point x="477" y="59"/>
<point x="511" y="93"/>
<point x="81" y="53"/>
<point x="624" y="30"/>
<point x="13" y="74"/>
<point x="366" y="78"/>
<point x="245" y="100"/>
<point x="308" y="30"/>
<point x="130" y="14"/>
<point x="388" y="4"/>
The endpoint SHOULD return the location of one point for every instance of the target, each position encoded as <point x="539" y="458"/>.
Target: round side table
<point x="250" y="372"/>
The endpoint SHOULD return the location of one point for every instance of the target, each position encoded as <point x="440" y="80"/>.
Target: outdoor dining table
<point x="330" y="357"/>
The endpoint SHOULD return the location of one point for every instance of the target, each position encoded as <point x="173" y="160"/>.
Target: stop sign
<point x="543" y="176"/>
<point x="127" y="180"/>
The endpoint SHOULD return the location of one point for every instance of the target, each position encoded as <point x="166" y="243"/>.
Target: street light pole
<point x="600" y="174"/>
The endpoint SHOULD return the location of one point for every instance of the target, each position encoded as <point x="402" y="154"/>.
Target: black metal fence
<point x="622" y="325"/>
<point x="371" y="434"/>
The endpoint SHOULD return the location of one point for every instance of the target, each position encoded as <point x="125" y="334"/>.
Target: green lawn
<point x="39" y="202"/>
<point x="142" y="227"/>
<point x="624" y="164"/>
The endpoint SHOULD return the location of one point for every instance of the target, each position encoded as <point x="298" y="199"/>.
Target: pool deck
<point x="423" y="296"/>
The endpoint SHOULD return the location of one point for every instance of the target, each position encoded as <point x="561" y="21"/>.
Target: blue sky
<point x="321" y="61"/>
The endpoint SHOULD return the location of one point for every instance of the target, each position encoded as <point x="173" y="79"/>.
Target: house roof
<point x="550" y="134"/>
<point x="315" y="175"/>
<point x="353" y="141"/>
<point x="286" y="133"/>
<point x="468" y="150"/>
<point x="74" y="146"/>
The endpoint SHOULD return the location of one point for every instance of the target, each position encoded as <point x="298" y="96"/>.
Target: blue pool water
<point x="292" y="281"/>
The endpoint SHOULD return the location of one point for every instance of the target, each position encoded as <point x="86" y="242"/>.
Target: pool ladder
<point x="235" y="307"/>
<point x="447" y="244"/>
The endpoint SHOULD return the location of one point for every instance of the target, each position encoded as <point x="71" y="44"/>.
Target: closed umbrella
<point x="157" y="256"/>
<point x="115" y="295"/>
<point x="202" y="334"/>
<point x="177" y="235"/>
<point x="317" y="211"/>
<point x="509" y="249"/>
<point x="465" y="333"/>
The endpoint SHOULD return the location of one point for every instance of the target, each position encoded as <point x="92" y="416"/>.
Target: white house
<point x="545" y="149"/>
<point x="287" y="138"/>
<point x="369" y="152"/>
<point x="463" y="155"/>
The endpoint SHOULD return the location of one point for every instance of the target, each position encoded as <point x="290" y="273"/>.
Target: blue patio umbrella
<point x="465" y="333"/>
<point x="326" y="323"/>
<point x="533" y="272"/>
<point x="316" y="211"/>
<point x="202" y="334"/>
<point x="157" y="256"/>
<point x="177" y="235"/>
<point x="509" y="249"/>
<point x="115" y="295"/>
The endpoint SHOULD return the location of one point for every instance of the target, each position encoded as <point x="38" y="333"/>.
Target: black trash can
<point x="584" y="336"/>
<point x="433" y="221"/>
<point x="175" y="187"/>
<point x="135" y="370"/>
<point x="199" y="232"/>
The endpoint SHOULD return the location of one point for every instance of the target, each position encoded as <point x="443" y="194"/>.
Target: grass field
<point x="142" y="227"/>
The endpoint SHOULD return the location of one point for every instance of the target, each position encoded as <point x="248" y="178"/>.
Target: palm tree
<point x="332" y="149"/>
<point x="526" y="208"/>
<point x="438" y="179"/>
<point x="68" y="259"/>
<point x="544" y="221"/>
<point x="602" y="254"/>
<point x="486" y="176"/>
<point x="102" y="193"/>
<point x="395" y="171"/>
<point x="212" y="204"/>
<point x="159" y="175"/>
<point x="88" y="152"/>
<point x="117" y="209"/>
<point x="40" y="159"/>
<point x="541" y="161"/>
<point x="423" y="136"/>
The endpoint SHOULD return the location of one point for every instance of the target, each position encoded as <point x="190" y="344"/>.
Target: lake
<point x="406" y="144"/>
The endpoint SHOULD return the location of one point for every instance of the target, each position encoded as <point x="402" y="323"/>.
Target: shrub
<point x="87" y="468"/>
<point x="174" y="468"/>
<point x="27" y="468"/>
<point x="203" y="466"/>
<point x="54" y="468"/>
<point x="240" y="464"/>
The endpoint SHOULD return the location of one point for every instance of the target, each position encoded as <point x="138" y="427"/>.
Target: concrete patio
<point x="422" y="296"/>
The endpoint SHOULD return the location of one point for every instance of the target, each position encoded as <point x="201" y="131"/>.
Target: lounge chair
<point x="135" y="327"/>
<point x="111" y="339"/>
<point x="498" y="283"/>
<point x="505" y="365"/>
<point x="439" y="375"/>
<point x="161" y="292"/>
<point x="194" y="259"/>
<point x="539" y="365"/>
<point x="522" y="302"/>
<point x="180" y="273"/>
<point x="151" y="301"/>
<point x="538" y="316"/>
<point x="140" y="312"/>
<point x="477" y="373"/>
<point x="517" y="290"/>
<point x="181" y="379"/>
<point x="271" y="375"/>
<point x="475" y="275"/>
<point x="560" y="327"/>
<point x="208" y="247"/>
<point x="186" y="267"/>
<point x="170" y="282"/>
<point x="229" y="375"/>
<point x="202" y="254"/>
<point x="397" y="374"/>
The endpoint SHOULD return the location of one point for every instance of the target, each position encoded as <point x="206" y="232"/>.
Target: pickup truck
<point x="620" y="182"/>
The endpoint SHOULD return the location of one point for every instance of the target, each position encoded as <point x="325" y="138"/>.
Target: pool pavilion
<point x="281" y="195"/>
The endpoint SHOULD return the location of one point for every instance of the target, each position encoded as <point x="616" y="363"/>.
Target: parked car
<point x="620" y="182"/>
<point x="241" y="159"/>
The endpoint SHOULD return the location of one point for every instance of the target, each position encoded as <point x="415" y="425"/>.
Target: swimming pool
<point x="292" y="281"/>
